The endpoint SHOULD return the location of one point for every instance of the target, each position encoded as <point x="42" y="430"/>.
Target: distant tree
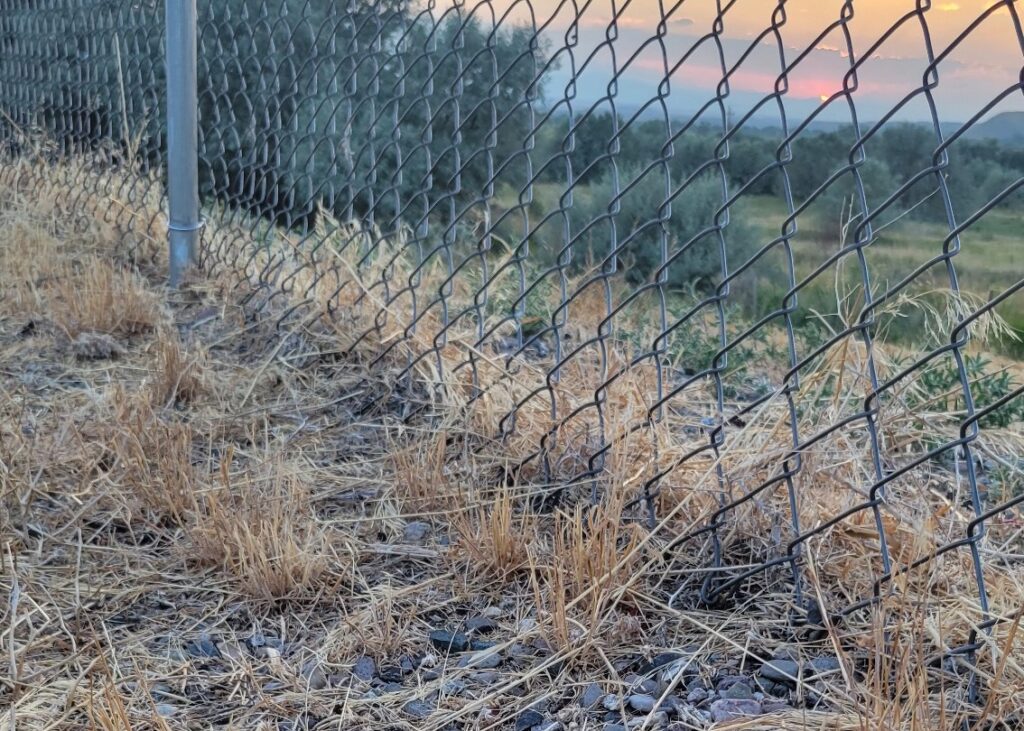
<point x="645" y="244"/>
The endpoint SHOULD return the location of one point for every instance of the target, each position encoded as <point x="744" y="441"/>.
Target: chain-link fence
<point x="733" y="255"/>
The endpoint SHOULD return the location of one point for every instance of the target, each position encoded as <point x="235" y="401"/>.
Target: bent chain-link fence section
<point x="726" y="275"/>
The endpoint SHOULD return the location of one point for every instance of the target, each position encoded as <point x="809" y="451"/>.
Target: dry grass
<point x="203" y="514"/>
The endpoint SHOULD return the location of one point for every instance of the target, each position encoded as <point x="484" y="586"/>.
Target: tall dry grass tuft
<point x="260" y="530"/>
<point x="95" y="296"/>
<point x="178" y="376"/>
<point x="421" y="475"/>
<point x="496" y="536"/>
<point x="152" y="458"/>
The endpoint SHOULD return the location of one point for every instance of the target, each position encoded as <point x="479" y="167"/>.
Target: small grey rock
<point x="781" y="671"/>
<point x="738" y="690"/>
<point x="825" y="664"/>
<point x="315" y="677"/>
<point x="203" y="646"/>
<point x="614" y="727"/>
<point x="774" y="689"/>
<point x="611" y="702"/>
<point x="481" y="625"/>
<point x="365" y="668"/>
<point x="640" y="684"/>
<point x="592" y="695"/>
<point x="391" y="688"/>
<point x="730" y="709"/>
<point x="775" y="706"/>
<point x="485" y="677"/>
<point x="416" y="531"/>
<point x="660" y="660"/>
<point x="642" y="703"/>
<point x="526" y="624"/>
<point x="484" y="660"/>
<point x="655" y="720"/>
<point x="418" y="708"/>
<point x="449" y="641"/>
<point x="390" y="674"/>
<point x="165" y="710"/>
<point x="455" y="686"/>
<point x="528" y="719"/>
<point x="696" y="695"/>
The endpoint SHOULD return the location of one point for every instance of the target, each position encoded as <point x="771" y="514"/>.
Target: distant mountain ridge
<point x="1006" y="128"/>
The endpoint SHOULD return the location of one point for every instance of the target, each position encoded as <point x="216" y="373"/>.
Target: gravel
<point x="731" y="709"/>
<point x="592" y="695"/>
<point x="739" y="690"/>
<point x="365" y="668"/>
<point x="642" y="703"/>
<point x="825" y="664"/>
<point x="449" y="641"/>
<point x="418" y="708"/>
<point x="697" y="695"/>
<point x="781" y="671"/>
<point x="528" y="719"/>
<point x="203" y="646"/>
<point x="481" y="625"/>
<point x="416" y="531"/>
<point x="484" y="660"/>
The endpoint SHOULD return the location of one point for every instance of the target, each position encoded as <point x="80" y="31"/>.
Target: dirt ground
<point x="214" y="518"/>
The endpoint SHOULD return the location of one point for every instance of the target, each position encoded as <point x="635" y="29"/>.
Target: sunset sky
<point x="986" y="62"/>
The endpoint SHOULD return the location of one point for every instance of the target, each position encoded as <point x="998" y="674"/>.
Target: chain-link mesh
<point x="717" y="267"/>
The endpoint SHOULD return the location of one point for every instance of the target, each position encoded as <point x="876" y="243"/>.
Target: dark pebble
<point x="449" y="641"/>
<point x="416" y="531"/>
<point x="738" y="690"/>
<point x="528" y="719"/>
<point x="731" y="709"/>
<point x="203" y="646"/>
<point x="478" y="645"/>
<point x="825" y="664"/>
<point x="781" y="671"/>
<point x="390" y="674"/>
<point x="481" y="625"/>
<point x="365" y="668"/>
<point x="418" y="708"/>
<point x="642" y="703"/>
<point x="659" y="660"/>
<point x="592" y="695"/>
<point x="775" y="707"/>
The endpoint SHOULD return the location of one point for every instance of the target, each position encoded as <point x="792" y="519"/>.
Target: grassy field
<point x="991" y="259"/>
<point x="211" y="516"/>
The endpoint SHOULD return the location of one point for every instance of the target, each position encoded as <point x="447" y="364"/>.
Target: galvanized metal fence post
<point x="182" y="138"/>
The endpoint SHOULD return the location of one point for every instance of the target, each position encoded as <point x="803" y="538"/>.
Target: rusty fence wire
<point x="645" y="242"/>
